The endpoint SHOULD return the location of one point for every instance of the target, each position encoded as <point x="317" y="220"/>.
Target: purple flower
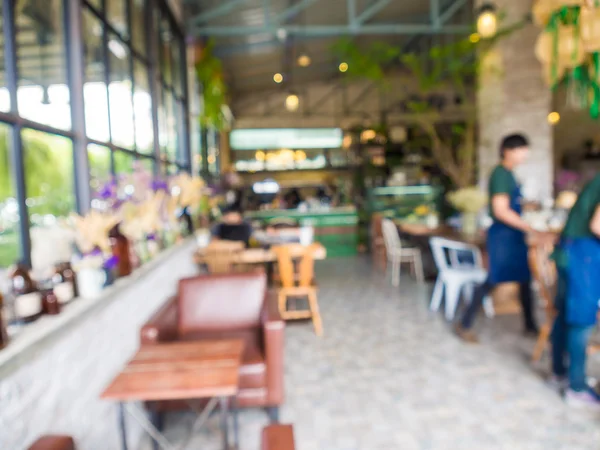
<point x="159" y="185"/>
<point x="151" y="237"/>
<point x="108" y="191"/>
<point x="111" y="262"/>
<point x="95" y="252"/>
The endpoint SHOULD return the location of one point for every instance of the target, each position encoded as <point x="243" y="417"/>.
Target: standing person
<point x="506" y="244"/>
<point x="578" y="262"/>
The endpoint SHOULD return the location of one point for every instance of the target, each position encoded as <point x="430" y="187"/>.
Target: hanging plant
<point x="209" y="71"/>
<point x="568" y="49"/>
<point x="368" y="63"/>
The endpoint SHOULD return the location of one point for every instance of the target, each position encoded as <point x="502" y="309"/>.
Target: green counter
<point x="336" y="229"/>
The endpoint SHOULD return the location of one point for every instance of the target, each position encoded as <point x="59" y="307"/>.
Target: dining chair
<point x="377" y="243"/>
<point x="220" y="256"/>
<point x="455" y="276"/>
<point x="297" y="281"/>
<point x="398" y="254"/>
<point x="545" y="276"/>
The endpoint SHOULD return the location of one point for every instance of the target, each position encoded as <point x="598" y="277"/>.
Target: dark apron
<point x="583" y="279"/>
<point x="507" y="249"/>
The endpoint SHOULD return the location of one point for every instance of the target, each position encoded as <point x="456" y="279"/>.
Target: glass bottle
<point x="3" y="332"/>
<point x="50" y="304"/>
<point x="65" y="283"/>
<point x="27" y="298"/>
<point x="120" y="249"/>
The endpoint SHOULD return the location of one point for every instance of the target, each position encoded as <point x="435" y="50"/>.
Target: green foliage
<point x="209" y="71"/>
<point x="368" y="63"/>
<point x="48" y="172"/>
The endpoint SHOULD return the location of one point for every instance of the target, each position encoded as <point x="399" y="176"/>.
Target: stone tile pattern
<point x="59" y="391"/>
<point x="390" y="375"/>
<point x="512" y="97"/>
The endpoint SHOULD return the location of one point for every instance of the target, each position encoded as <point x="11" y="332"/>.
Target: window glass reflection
<point x="9" y="209"/>
<point x="100" y="174"/>
<point x="177" y="68"/>
<point x="171" y="122"/>
<point x="94" y="89"/>
<point x="48" y="176"/>
<point x="96" y="4"/>
<point x="116" y="13"/>
<point x="138" y="38"/>
<point x="43" y="93"/>
<point x="4" y="95"/>
<point x="142" y="103"/>
<point x="119" y="90"/>
<point x="163" y="137"/>
<point x="165" y="40"/>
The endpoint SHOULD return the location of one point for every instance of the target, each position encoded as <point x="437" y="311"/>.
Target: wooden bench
<point x="278" y="437"/>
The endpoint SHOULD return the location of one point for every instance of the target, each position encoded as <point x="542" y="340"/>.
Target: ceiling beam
<point x="434" y="10"/>
<point x="333" y="30"/>
<point x="371" y="10"/>
<point x="351" y="11"/>
<point x="455" y="7"/>
<point x="223" y="9"/>
<point x="291" y="11"/>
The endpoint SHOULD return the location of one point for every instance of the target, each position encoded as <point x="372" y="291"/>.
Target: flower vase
<point x="469" y="223"/>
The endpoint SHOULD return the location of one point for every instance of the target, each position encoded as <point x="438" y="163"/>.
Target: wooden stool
<point x="298" y="281"/>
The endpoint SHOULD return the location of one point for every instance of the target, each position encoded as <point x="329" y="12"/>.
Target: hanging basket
<point x="553" y="75"/>
<point x="542" y="10"/>
<point x="589" y="20"/>
<point x="569" y="51"/>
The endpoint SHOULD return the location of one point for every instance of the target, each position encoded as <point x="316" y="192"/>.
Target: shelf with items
<point x="413" y="204"/>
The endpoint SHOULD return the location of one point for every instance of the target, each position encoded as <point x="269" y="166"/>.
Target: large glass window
<point x="4" y="94"/>
<point x="49" y="176"/>
<point x="118" y="96"/>
<point x="142" y="104"/>
<point x="43" y="94"/>
<point x="100" y="172"/>
<point x="9" y="210"/>
<point x="116" y="12"/>
<point x="120" y="93"/>
<point x="94" y="90"/>
<point x="138" y="29"/>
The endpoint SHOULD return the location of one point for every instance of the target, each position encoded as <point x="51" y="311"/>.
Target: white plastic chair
<point x="454" y="276"/>
<point x="396" y="254"/>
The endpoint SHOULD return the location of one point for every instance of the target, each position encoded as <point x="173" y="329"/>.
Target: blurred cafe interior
<point x="299" y="224"/>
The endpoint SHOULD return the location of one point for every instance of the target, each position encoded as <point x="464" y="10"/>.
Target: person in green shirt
<point x="506" y="246"/>
<point x="578" y="262"/>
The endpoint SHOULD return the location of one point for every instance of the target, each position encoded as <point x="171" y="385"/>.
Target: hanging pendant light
<point x="292" y="102"/>
<point x="487" y="21"/>
<point x="304" y="60"/>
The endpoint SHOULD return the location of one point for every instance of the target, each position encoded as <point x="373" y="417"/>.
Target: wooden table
<point x="179" y="371"/>
<point x="258" y="255"/>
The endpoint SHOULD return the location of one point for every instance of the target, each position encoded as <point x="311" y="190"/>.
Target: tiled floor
<point x="390" y="375"/>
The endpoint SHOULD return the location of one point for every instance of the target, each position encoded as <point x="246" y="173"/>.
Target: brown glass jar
<point x="120" y="249"/>
<point x="65" y="283"/>
<point x="27" y="298"/>
<point x="3" y="333"/>
<point x="50" y="303"/>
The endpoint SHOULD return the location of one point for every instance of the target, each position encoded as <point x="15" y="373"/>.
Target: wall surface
<point x="58" y="390"/>
<point x="512" y="98"/>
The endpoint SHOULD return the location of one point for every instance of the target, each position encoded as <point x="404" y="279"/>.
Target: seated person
<point x="232" y="226"/>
